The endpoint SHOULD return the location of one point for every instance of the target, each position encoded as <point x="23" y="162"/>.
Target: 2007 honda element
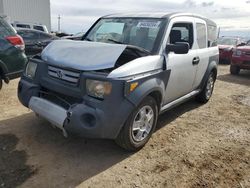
<point x="127" y="69"/>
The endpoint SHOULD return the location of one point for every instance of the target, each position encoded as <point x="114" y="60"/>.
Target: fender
<point x="139" y="66"/>
<point x="146" y="85"/>
<point x="213" y="64"/>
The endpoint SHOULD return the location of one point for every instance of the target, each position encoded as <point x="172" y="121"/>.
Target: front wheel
<point x="140" y="126"/>
<point x="207" y="91"/>
<point x="234" y="69"/>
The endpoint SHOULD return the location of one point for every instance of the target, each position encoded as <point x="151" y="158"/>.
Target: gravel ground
<point x="194" y="146"/>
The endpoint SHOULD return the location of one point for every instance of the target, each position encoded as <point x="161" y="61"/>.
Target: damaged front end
<point x="90" y="56"/>
<point x="77" y="85"/>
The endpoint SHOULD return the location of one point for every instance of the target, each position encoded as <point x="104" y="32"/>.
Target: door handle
<point x="196" y="61"/>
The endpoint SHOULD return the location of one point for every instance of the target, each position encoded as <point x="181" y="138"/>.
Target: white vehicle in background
<point x="22" y="25"/>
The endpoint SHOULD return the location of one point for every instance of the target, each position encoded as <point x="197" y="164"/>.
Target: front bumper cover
<point x="85" y="119"/>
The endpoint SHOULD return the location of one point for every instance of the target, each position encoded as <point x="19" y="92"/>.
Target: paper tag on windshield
<point x="149" y="24"/>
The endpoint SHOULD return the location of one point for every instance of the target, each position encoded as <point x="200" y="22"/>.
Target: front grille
<point x="64" y="75"/>
<point x="246" y="63"/>
<point x="58" y="98"/>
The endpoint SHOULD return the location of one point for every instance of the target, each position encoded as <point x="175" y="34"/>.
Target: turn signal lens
<point x="133" y="86"/>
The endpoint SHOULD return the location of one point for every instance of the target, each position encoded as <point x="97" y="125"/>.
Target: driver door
<point x="181" y="66"/>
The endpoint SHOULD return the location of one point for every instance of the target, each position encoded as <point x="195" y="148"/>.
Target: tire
<point x="1" y="83"/>
<point x="235" y="70"/>
<point x="207" y="91"/>
<point x="139" y="126"/>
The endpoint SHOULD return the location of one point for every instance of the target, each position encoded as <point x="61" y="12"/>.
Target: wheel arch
<point x="212" y="67"/>
<point x="3" y="70"/>
<point x="157" y="95"/>
<point x="153" y="87"/>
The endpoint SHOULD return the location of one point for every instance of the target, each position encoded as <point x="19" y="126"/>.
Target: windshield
<point x="227" y="41"/>
<point x="141" y="32"/>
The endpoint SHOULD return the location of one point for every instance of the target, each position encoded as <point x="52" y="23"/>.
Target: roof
<point x="138" y="14"/>
<point x="157" y="15"/>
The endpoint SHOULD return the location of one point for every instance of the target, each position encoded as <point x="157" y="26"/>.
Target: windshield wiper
<point x="133" y="47"/>
<point x="112" y="40"/>
<point x="88" y="39"/>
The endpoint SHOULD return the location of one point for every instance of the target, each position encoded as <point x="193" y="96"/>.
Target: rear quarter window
<point x="212" y="35"/>
<point x="201" y="35"/>
<point x="5" y="29"/>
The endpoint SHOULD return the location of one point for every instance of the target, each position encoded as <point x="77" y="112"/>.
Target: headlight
<point x="30" y="70"/>
<point x="238" y="53"/>
<point x="98" y="89"/>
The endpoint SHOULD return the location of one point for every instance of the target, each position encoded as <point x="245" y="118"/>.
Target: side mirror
<point x="178" y="48"/>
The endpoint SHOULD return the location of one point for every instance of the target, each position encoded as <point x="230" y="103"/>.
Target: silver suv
<point x="128" y="69"/>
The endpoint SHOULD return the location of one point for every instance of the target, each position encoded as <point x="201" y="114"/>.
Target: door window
<point x="23" y="26"/>
<point x="182" y="32"/>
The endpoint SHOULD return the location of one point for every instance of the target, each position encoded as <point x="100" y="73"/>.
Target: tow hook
<point x="67" y="120"/>
<point x="65" y="134"/>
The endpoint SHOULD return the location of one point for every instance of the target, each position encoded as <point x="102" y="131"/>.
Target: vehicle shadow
<point x="57" y="161"/>
<point x="243" y="78"/>
<point x="61" y="162"/>
<point x="169" y="116"/>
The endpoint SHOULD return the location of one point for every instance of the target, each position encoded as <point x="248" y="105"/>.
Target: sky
<point x="78" y="15"/>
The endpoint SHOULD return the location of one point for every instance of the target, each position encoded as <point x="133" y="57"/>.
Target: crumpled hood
<point x="82" y="55"/>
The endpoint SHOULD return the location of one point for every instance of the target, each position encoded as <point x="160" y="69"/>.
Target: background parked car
<point x="12" y="56"/>
<point x="226" y="46"/>
<point x="39" y="27"/>
<point x="77" y="36"/>
<point x="62" y="34"/>
<point x="35" y="41"/>
<point x="240" y="59"/>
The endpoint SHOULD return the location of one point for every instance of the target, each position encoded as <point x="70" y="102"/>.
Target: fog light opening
<point x="89" y="120"/>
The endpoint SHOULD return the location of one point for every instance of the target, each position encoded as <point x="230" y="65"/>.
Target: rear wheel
<point x="207" y="91"/>
<point x="140" y="126"/>
<point x="234" y="69"/>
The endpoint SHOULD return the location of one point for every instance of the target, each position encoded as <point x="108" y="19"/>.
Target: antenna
<point x="59" y="23"/>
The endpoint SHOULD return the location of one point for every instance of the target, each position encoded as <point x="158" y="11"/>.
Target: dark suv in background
<point x="12" y="56"/>
<point x="35" y="41"/>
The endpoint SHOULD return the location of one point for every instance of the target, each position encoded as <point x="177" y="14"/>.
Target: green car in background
<point x="12" y="55"/>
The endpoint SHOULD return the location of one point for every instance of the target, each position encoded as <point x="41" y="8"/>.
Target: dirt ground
<point x="194" y="146"/>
